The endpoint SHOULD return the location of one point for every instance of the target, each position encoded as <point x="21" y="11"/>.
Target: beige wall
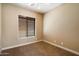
<point x="62" y="25"/>
<point x="0" y="25"/>
<point x="10" y="25"/>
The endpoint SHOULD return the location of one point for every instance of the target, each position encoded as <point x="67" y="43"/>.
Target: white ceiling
<point x="39" y="7"/>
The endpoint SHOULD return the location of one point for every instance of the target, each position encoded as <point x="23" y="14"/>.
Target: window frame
<point x="27" y="18"/>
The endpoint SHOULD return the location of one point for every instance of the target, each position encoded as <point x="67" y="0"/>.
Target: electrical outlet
<point x="55" y="41"/>
<point x="61" y="43"/>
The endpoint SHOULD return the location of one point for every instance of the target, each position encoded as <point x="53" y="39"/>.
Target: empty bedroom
<point x="39" y="29"/>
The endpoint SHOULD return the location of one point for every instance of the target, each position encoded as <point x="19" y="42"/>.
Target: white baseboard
<point x="67" y="49"/>
<point x="20" y="45"/>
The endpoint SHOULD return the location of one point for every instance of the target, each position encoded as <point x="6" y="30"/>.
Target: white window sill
<point x="29" y="37"/>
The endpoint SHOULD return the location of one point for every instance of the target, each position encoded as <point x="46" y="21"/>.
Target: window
<point x="26" y="26"/>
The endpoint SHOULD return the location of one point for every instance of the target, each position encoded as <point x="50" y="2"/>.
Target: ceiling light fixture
<point x="38" y="7"/>
<point x="30" y="4"/>
<point x="35" y="5"/>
